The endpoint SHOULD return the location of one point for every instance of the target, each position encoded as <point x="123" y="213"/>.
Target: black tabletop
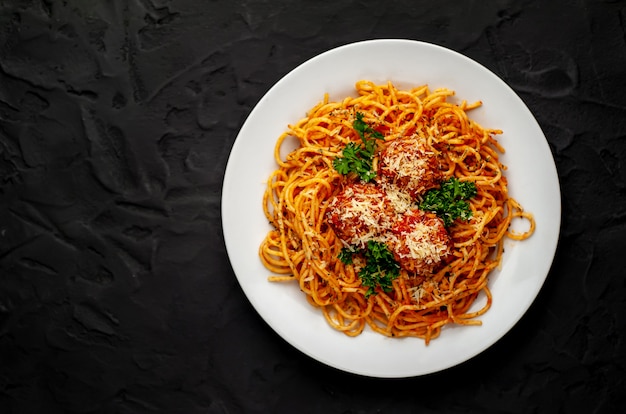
<point x="116" y="122"/>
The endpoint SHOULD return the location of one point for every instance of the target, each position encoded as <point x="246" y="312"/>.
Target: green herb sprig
<point x="358" y="158"/>
<point x="448" y="201"/>
<point x="380" y="266"/>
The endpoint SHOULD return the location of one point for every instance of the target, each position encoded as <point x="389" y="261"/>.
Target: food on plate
<point x="391" y="212"/>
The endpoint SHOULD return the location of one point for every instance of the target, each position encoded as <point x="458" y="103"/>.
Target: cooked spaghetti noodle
<point x="303" y="247"/>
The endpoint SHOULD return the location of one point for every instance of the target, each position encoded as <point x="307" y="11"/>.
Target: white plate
<point x="532" y="179"/>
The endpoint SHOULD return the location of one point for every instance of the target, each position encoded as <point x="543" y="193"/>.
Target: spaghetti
<point x="317" y="212"/>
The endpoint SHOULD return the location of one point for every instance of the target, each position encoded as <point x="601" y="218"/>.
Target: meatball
<point x="420" y="243"/>
<point x="407" y="163"/>
<point x="359" y="213"/>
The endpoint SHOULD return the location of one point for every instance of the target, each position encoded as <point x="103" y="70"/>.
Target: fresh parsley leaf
<point x="380" y="266"/>
<point x="350" y="160"/>
<point x="380" y="269"/>
<point x="363" y="129"/>
<point x="358" y="158"/>
<point x="355" y="160"/>
<point x="345" y="255"/>
<point x="448" y="201"/>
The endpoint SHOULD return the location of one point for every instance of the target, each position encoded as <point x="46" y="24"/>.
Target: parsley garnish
<point x="345" y="255"/>
<point x="448" y="201"/>
<point x="358" y="158"/>
<point x="380" y="267"/>
<point x="361" y="127"/>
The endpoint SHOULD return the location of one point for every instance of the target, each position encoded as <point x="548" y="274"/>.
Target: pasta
<point x="308" y="202"/>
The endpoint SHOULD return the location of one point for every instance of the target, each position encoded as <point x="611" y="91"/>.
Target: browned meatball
<point x="359" y="213"/>
<point x="410" y="165"/>
<point x="419" y="241"/>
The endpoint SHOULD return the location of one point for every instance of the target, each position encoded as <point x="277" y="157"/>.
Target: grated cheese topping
<point x="409" y="164"/>
<point x="399" y="199"/>
<point x="421" y="245"/>
<point x="360" y="213"/>
<point x="421" y="241"/>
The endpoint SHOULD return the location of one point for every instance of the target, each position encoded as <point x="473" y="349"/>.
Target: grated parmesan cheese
<point x="409" y="164"/>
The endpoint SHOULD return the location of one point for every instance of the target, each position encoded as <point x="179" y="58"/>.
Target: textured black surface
<point x="116" y="121"/>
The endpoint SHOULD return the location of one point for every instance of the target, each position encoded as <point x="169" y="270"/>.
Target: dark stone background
<point x="116" y="121"/>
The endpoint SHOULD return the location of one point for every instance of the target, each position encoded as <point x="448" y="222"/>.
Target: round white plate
<point x="532" y="179"/>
